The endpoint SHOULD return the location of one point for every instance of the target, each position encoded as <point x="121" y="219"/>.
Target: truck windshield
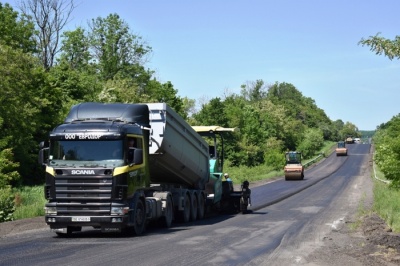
<point x="103" y="153"/>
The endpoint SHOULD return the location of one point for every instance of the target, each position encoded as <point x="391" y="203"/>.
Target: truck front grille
<point x="83" y="195"/>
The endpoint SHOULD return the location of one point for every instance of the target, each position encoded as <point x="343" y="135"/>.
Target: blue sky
<point x="208" y="48"/>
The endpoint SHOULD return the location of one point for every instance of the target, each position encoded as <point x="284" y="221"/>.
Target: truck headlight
<point x="50" y="210"/>
<point x="119" y="210"/>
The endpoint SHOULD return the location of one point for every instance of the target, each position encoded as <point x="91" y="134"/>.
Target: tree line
<point x="45" y="70"/>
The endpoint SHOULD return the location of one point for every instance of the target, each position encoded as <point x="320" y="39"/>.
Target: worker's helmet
<point x="226" y="175"/>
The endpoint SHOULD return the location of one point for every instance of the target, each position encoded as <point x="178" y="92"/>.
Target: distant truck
<point x="349" y="140"/>
<point x="293" y="169"/>
<point x="116" y="167"/>
<point x="341" y="149"/>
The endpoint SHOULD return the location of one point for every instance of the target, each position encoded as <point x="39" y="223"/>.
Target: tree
<point x="75" y="49"/>
<point x="387" y="155"/>
<point x="312" y="142"/>
<point x="50" y="17"/>
<point x="116" y="50"/>
<point x="14" y="31"/>
<point x="381" y="45"/>
<point x="296" y="105"/>
<point x="28" y="107"/>
<point x="254" y="91"/>
<point x="212" y="113"/>
<point x="73" y="72"/>
<point x="349" y="129"/>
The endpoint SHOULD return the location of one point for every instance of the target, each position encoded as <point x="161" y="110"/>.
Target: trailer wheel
<point x="166" y="220"/>
<point x="139" y="217"/>
<point x="184" y="216"/>
<point x="201" y="207"/>
<point x="194" y="207"/>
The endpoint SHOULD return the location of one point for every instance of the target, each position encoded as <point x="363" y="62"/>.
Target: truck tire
<point x="139" y="217"/>
<point x="166" y="220"/>
<point x="184" y="216"/>
<point x="194" y="204"/>
<point x="201" y="206"/>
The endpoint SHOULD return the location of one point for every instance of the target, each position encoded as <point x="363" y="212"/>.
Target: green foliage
<point x="274" y="159"/>
<point x="15" y="31"/>
<point x="212" y="113"/>
<point x="115" y="49"/>
<point x="312" y="142"/>
<point x="349" y="129"/>
<point x="29" y="106"/>
<point x="381" y="45"/>
<point x="7" y="206"/>
<point x="387" y="158"/>
<point x="296" y="105"/>
<point x="8" y="169"/>
<point x="387" y="153"/>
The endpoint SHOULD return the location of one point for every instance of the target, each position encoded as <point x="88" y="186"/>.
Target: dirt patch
<point x="371" y="243"/>
<point x="381" y="238"/>
<point x="20" y="226"/>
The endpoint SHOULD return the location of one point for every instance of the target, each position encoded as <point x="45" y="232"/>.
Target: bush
<point x="8" y="169"/>
<point x="275" y="159"/>
<point x="312" y="143"/>
<point x="7" y="206"/>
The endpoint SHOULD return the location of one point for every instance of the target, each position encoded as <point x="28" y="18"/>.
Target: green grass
<point x="251" y="174"/>
<point x="362" y="211"/>
<point x="29" y="202"/>
<point x="386" y="202"/>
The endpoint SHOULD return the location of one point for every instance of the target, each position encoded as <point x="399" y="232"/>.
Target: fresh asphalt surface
<point x="288" y="220"/>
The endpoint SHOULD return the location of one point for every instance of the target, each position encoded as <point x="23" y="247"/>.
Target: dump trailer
<point x="293" y="169"/>
<point x="116" y="167"/>
<point x="341" y="149"/>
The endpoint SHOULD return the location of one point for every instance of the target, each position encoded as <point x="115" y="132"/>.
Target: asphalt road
<point x="289" y="221"/>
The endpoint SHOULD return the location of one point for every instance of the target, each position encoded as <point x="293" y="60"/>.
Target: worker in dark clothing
<point x="245" y="200"/>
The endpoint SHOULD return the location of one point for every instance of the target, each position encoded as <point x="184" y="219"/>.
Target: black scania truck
<point x="115" y="167"/>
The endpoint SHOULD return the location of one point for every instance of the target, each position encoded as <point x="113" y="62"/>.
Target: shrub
<point x="7" y="206"/>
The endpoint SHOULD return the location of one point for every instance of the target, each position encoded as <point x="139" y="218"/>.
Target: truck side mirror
<point x="41" y="159"/>
<point x="138" y="156"/>
<point x="135" y="156"/>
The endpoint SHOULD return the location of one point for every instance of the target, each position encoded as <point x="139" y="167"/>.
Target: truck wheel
<point x="194" y="207"/>
<point x="201" y="207"/>
<point x="139" y="218"/>
<point x="184" y="216"/>
<point x="166" y="220"/>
